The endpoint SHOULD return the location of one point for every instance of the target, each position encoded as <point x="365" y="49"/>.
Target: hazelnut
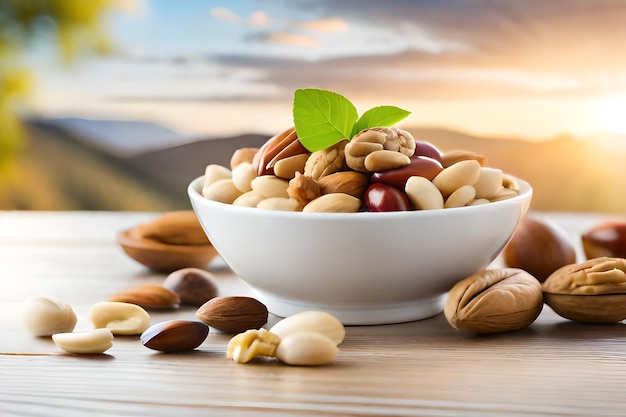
<point x="539" y="248"/>
<point x="195" y="286"/>
<point x="606" y="239"/>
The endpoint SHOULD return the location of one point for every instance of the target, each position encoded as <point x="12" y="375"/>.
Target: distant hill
<point x="173" y="168"/>
<point x="61" y="169"/>
<point x="66" y="170"/>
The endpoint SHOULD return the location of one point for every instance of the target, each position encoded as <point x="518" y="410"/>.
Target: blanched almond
<point x="333" y="203"/>
<point x="90" y="342"/>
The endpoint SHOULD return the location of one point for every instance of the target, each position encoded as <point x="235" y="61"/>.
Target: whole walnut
<point x="376" y="139"/>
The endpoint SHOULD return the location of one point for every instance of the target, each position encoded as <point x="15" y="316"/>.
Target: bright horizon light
<point x="611" y="114"/>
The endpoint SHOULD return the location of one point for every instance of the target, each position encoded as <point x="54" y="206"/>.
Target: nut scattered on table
<point x="593" y="291"/>
<point x="311" y="321"/>
<point x="494" y="300"/>
<point x="194" y="286"/>
<point x="308" y="338"/>
<point x="120" y="318"/>
<point x="148" y="296"/>
<point x="175" y="335"/>
<point x="45" y="316"/>
<point x="539" y="248"/>
<point x="90" y="342"/>
<point x="251" y="344"/>
<point x="607" y="239"/>
<point x="233" y="314"/>
<point x="307" y="349"/>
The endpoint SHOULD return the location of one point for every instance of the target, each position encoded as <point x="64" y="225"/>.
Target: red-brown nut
<point x="383" y="197"/>
<point x="539" y="248"/>
<point x="606" y="239"/>
<point x="175" y="335"/>
<point x="423" y="148"/>
<point x="422" y="166"/>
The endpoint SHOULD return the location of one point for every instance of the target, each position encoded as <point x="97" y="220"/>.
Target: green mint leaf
<point x="322" y="118"/>
<point x="379" y="116"/>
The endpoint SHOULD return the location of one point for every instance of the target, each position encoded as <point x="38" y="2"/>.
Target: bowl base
<point x="359" y="314"/>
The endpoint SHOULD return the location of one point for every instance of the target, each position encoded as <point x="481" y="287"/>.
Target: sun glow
<point x="611" y="114"/>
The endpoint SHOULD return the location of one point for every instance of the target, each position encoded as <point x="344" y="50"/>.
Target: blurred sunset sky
<point x="532" y="69"/>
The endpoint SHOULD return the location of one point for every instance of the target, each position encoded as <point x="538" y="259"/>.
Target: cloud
<point x="257" y="18"/>
<point x="226" y="15"/>
<point x="444" y="50"/>
<point x="292" y="39"/>
<point x="324" y="25"/>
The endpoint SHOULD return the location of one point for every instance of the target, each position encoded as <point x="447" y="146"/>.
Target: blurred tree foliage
<point x="73" y="27"/>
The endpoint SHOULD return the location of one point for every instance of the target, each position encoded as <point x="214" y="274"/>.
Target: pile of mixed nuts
<point x="368" y="165"/>
<point x="379" y="169"/>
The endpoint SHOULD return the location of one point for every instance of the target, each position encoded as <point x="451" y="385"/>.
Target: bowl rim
<point x="526" y="191"/>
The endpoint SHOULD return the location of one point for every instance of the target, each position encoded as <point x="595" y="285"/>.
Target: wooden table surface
<point x="554" y="368"/>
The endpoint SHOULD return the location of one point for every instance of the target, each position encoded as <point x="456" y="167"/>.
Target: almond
<point x="148" y="296"/>
<point x="333" y="203"/>
<point x="348" y="182"/>
<point x="281" y="146"/>
<point x="233" y="314"/>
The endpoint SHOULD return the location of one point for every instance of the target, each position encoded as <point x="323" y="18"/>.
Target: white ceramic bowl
<point x="364" y="268"/>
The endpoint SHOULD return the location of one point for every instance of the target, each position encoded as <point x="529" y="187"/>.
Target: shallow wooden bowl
<point x="164" y="257"/>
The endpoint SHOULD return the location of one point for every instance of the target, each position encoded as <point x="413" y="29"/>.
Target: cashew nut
<point x="120" y="318"/>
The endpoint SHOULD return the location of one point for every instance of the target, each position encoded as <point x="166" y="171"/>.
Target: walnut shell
<point x="494" y="300"/>
<point x="593" y="291"/>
